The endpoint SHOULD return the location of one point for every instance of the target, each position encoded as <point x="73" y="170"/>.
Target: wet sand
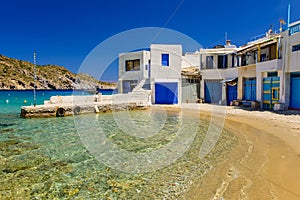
<point x="265" y="164"/>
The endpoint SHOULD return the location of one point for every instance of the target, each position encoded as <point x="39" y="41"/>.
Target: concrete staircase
<point x="143" y="84"/>
<point x="141" y="94"/>
<point x="141" y="97"/>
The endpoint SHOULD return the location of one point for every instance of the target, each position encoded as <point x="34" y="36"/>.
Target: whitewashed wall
<point x="143" y="73"/>
<point x="171" y="73"/>
<point x="144" y="56"/>
<point x="175" y="59"/>
<point x="189" y="60"/>
<point x="294" y="56"/>
<point x="291" y="63"/>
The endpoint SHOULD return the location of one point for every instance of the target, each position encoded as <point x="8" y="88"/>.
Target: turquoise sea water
<point x="61" y="158"/>
<point x="12" y="100"/>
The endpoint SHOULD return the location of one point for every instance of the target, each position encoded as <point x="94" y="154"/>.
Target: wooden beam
<point x="258" y="54"/>
<point x="277" y="48"/>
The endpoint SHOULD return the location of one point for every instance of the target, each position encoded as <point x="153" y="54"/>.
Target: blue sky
<point x="64" y="32"/>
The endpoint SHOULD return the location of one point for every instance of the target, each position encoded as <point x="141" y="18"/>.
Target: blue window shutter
<point x="165" y="59"/>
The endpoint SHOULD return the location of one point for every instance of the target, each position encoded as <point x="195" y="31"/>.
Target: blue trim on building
<point x="231" y="93"/>
<point x="165" y="59"/>
<point x="166" y="93"/>
<point x="295" y="29"/>
<point x="294" y="91"/>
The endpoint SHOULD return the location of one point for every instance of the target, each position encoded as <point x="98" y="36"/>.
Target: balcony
<point x="270" y="65"/>
<point x="262" y="52"/>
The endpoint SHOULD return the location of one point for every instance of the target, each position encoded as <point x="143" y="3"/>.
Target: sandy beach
<point x="265" y="163"/>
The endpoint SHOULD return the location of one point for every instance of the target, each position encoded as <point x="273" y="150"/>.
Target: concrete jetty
<point x="60" y="106"/>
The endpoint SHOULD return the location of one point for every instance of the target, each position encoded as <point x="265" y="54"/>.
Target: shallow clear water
<point x="82" y="157"/>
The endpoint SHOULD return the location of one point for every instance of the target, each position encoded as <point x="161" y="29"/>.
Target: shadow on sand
<point x="284" y="112"/>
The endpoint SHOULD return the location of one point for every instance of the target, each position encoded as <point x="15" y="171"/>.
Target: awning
<point x="192" y="72"/>
<point x="247" y="48"/>
<point x="253" y="47"/>
<point x="233" y="79"/>
<point x="268" y="43"/>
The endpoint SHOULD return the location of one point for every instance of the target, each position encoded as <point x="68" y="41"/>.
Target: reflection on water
<point x="48" y="158"/>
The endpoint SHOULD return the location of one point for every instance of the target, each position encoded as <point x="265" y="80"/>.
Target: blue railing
<point x="263" y="36"/>
<point x="295" y="29"/>
<point x="257" y="37"/>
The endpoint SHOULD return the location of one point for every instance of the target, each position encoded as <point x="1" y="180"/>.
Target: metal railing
<point x="257" y="37"/>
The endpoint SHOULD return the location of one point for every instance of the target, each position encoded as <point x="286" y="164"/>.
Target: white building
<point x="265" y="72"/>
<point x="160" y="68"/>
<point x="216" y="67"/>
<point x="133" y="68"/>
<point x="165" y="73"/>
<point x="190" y="78"/>
<point x="291" y="68"/>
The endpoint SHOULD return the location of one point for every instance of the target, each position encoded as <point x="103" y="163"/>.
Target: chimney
<point x="228" y="42"/>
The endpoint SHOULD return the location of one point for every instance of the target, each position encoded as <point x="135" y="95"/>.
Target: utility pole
<point x="34" y="89"/>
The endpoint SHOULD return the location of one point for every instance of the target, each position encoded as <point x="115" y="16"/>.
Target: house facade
<point x="217" y="69"/>
<point x="159" y="69"/>
<point x="292" y="66"/>
<point x="190" y="78"/>
<point x="277" y="66"/>
<point x="260" y="71"/>
<point x="165" y="75"/>
<point x="133" y="68"/>
<point x="265" y="72"/>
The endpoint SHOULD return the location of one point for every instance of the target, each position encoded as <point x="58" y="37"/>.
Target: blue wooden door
<point x="295" y="91"/>
<point x="250" y="89"/>
<point x="213" y="91"/>
<point x="271" y="94"/>
<point x="231" y="93"/>
<point x="166" y="93"/>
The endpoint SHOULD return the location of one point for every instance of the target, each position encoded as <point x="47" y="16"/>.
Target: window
<point x="129" y="85"/>
<point x="272" y="74"/>
<point x="244" y="60"/>
<point x="225" y="61"/>
<point x="295" y="74"/>
<point x="133" y="65"/>
<point x="275" y="94"/>
<point x="263" y="57"/>
<point x="222" y="61"/>
<point x="209" y="62"/>
<point x="238" y="61"/>
<point x="296" y="48"/>
<point x="165" y="59"/>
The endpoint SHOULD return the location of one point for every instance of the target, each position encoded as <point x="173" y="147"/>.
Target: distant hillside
<point x="18" y="74"/>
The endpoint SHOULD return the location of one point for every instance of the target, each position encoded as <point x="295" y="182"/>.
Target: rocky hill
<point x="18" y="74"/>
